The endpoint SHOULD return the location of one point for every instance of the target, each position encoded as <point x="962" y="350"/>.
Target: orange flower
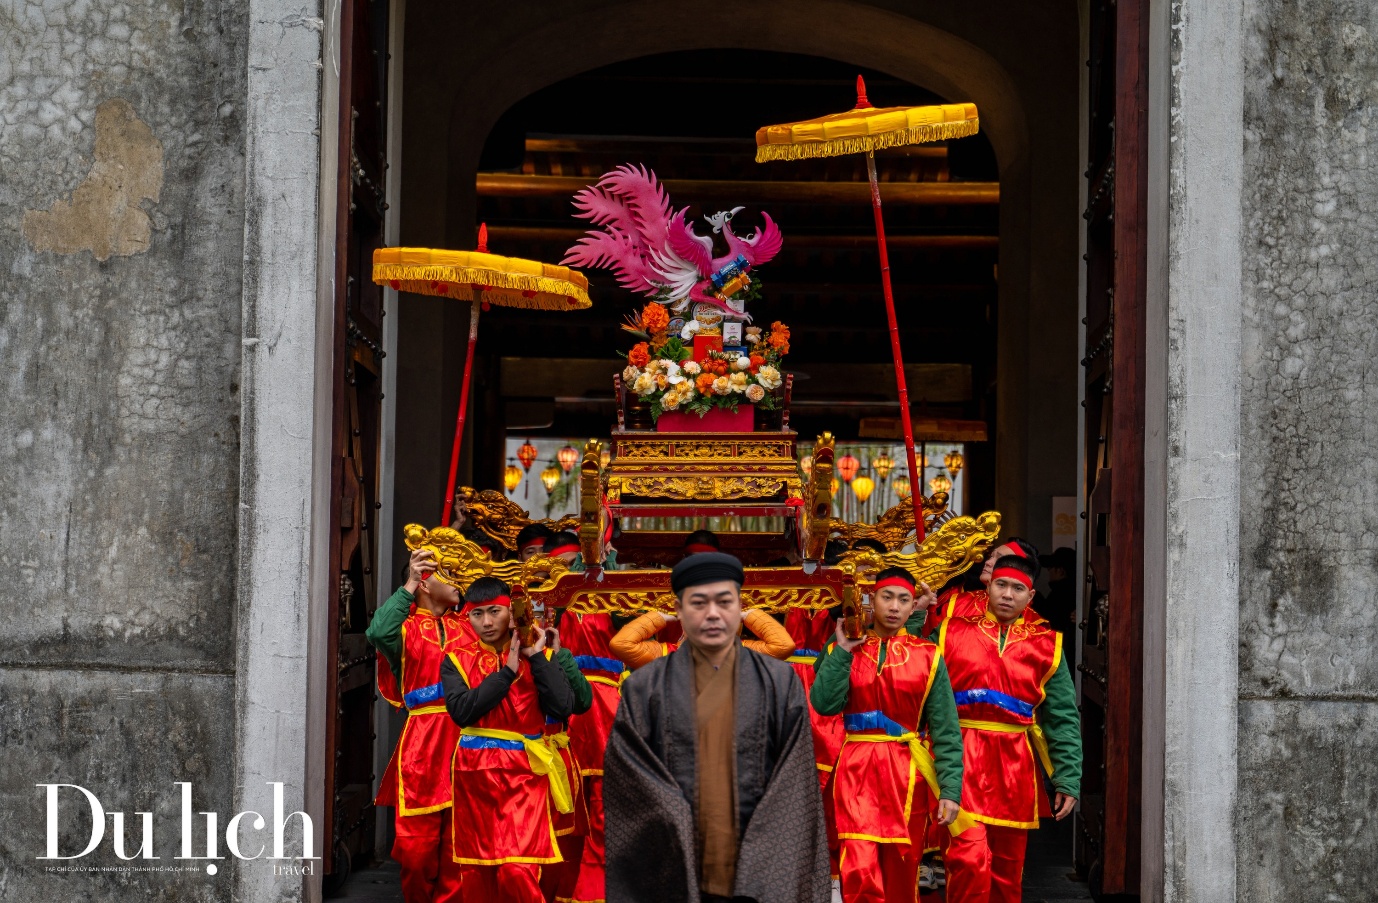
<point x="655" y="318"/>
<point x="779" y="337"/>
<point x="704" y="383"/>
<point x="640" y="355"/>
<point x="756" y="362"/>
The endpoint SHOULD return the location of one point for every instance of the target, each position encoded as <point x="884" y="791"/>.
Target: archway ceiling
<point x="941" y="207"/>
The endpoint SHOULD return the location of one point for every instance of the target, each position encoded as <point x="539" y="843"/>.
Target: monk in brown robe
<point x="709" y="786"/>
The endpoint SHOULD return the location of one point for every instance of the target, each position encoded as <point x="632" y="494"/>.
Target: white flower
<point x="645" y="384"/>
<point x="742" y="363"/>
<point x="752" y="338"/>
<point x="754" y="393"/>
<point x="738" y="381"/>
<point x="629" y="375"/>
<point x="691" y="368"/>
<point x="669" y="401"/>
<point x="673" y="375"/>
<point x="721" y="386"/>
<point x="769" y="377"/>
<point x="686" y="390"/>
<point x="689" y="330"/>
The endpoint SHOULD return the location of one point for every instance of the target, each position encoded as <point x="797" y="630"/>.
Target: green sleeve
<point x="1061" y="723"/>
<point x="583" y="693"/>
<point x="914" y="626"/>
<point x="609" y="562"/>
<point x="940" y="714"/>
<point x="832" y="680"/>
<point x="385" y="630"/>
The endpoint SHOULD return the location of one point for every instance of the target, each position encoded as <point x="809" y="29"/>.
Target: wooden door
<point x="357" y="398"/>
<point x="1112" y="662"/>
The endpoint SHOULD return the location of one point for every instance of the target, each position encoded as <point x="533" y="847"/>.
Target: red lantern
<point x="567" y="456"/>
<point x="527" y="455"/>
<point x="847" y="466"/>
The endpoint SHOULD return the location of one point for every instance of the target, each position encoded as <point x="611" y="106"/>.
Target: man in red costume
<point x="1018" y="711"/>
<point x="412" y="631"/>
<point x="888" y="684"/>
<point x="959" y="601"/>
<point x="507" y="779"/>
<point x="558" y="881"/>
<point x="587" y="638"/>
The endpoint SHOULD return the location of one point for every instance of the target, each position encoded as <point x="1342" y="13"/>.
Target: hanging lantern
<point x="567" y="456"/>
<point x="953" y="461"/>
<point x="606" y="458"/>
<point x="806" y="464"/>
<point x="511" y="477"/>
<point x="882" y="463"/>
<point x="902" y="488"/>
<point x="940" y="483"/>
<point x="527" y="455"/>
<point x="550" y="477"/>
<point x="863" y="486"/>
<point x="847" y="466"/>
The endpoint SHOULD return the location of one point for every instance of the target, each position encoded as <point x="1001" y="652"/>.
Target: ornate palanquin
<point x="700" y="474"/>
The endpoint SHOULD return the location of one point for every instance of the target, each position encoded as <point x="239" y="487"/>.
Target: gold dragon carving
<point x="495" y="515"/>
<point x="459" y="562"/>
<point x="893" y="528"/>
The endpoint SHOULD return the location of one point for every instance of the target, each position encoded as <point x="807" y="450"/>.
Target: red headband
<point x="695" y="548"/>
<point x="560" y="550"/>
<point x="504" y="601"/>
<point x="1018" y="550"/>
<point x="1013" y="574"/>
<point x="538" y="542"/>
<point x="893" y="581"/>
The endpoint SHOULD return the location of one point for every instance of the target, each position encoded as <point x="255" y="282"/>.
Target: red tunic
<point x="415" y="780"/>
<point x="587" y="637"/>
<point x="557" y="735"/>
<point x="961" y="603"/>
<point x="876" y="786"/>
<point x="502" y="809"/>
<point x="997" y="692"/>
<point x="811" y="632"/>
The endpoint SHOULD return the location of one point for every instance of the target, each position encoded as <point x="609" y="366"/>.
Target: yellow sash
<point x="600" y="679"/>
<point x="923" y="761"/>
<point x="802" y="659"/>
<point x="543" y="758"/>
<point x="1039" y="741"/>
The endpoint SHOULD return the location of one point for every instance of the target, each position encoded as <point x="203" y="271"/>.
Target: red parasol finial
<point x="861" y="102"/>
<point x="483" y="238"/>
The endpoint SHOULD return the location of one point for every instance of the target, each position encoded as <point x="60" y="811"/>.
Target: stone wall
<point x="121" y="237"/>
<point x="1308" y="719"/>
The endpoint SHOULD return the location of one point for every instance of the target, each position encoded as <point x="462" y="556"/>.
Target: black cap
<point x="706" y="567"/>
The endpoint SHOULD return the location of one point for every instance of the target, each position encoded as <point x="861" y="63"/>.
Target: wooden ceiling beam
<point x="567" y="237"/>
<point x="517" y="185"/>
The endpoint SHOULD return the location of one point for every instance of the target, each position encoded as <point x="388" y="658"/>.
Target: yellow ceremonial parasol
<point x="865" y="128"/>
<point x="483" y="279"/>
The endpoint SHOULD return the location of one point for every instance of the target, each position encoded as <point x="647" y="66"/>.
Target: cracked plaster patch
<point x="103" y="215"/>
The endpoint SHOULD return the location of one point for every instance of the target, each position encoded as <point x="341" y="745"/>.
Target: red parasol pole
<point x="463" y="407"/>
<point x="474" y="306"/>
<point x="916" y="492"/>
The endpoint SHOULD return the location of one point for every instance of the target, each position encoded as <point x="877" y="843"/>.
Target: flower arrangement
<point x="661" y="370"/>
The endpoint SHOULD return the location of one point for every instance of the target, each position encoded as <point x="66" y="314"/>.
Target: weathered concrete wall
<point x="121" y="235"/>
<point x="1309" y="471"/>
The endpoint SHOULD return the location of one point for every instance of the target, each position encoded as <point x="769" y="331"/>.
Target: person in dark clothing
<point x="1059" y="605"/>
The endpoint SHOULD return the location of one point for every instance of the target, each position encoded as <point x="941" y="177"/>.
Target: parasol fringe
<point x="860" y="144"/>
<point x="419" y="279"/>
